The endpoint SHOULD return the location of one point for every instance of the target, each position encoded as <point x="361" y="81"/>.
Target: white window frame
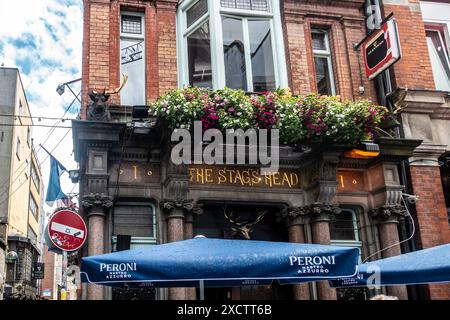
<point x="447" y="39"/>
<point x="357" y="243"/>
<point x="214" y="15"/>
<point x="325" y="54"/>
<point x="134" y="36"/>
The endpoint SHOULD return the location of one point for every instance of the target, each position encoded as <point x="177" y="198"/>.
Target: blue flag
<point x="54" y="191"/>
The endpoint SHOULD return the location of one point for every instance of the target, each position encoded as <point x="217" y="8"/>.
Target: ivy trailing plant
<point x="305" y="120"/>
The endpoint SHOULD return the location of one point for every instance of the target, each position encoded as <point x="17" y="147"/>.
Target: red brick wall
<point x="414" y="68"/>
<point x="101" y="46"/>
<point x="167" y="46"/>
<point x="49" y="269"/>
<point x="431" y="212"/>
<point x="346" y="24"/>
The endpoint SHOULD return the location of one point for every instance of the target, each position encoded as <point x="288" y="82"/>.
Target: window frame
<point x="35" y="176"/>
<point x="153" y="239"/>
<point x="443" y="35"/>
<point x="324" y="54"/>
<point x="18" y="147"/>
<point x="134" y="36"/>
<point x="214" y="18"/>
<point x="31" y="199"/>
<point x="357" y="243"/>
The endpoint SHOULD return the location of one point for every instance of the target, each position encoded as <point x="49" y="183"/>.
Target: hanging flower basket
<point x="301" y="120"/>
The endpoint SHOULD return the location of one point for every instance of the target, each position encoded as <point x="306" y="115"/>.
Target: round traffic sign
<point x="67" y="230"/>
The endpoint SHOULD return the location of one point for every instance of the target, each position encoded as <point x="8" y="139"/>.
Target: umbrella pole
<point x="202" y="289"/>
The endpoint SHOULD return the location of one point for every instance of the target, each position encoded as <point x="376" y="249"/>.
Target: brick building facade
<point x="312" y="50"/>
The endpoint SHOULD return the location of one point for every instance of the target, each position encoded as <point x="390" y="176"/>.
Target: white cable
<point x="395" y="244"/>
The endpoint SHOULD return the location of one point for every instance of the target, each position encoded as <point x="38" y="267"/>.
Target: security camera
<point x="410" y="198"/>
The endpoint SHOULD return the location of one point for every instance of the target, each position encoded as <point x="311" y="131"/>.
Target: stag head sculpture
<point x="242" y="228"/>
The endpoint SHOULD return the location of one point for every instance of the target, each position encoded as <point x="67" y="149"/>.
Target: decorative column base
<point x="387" y="217"/>
<point x="321" y="214"/>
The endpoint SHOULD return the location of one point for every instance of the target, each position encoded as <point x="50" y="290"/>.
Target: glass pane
<point x="262" y="55"/>
<point x="234" y="53"/>
<point x="199" y="56"/>
<point x="323" y="76"/>
<point x="131" y="24"/>
<point x="135" y="221"/>
<point x="318" y="40"/>
<point x="257" y="5"/>
<point x="132" y="63"/>
<point x="342" y="227"/>
<point x="439" y="61"/>
<point x="196" y="11"/>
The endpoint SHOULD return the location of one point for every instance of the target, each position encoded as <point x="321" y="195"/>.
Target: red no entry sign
<point x="67" y="230"/>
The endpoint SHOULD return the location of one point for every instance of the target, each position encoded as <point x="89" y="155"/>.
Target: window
<point x="344" y="227"/>
<point x="35" y="177"/>
<point x="439" y="55"/>
<point x="33" y="207"/>
<point x="20" y="108"/>
<point x="238" y="44"/>
<point x="27" y="164"/>
<point x="135" y="219"/>
<point x="132" y="58"/>
<point x="322" y="62"/>
<point x="29" y="137"/>
<point x="32" y="235"/>
<point x="18" y="148"/>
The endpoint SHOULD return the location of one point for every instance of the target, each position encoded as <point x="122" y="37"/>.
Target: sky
<point x="43" y="39"/>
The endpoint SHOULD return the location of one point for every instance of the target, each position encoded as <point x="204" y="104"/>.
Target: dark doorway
<point x="220" y="220"/>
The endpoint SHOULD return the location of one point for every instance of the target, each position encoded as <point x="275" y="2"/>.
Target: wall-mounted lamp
<point x="61" y="88"/>
<point x="74" y="175"/>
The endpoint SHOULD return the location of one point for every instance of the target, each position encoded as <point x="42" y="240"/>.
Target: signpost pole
<point x="64" y="275"/>
<point x="202" y="290"/>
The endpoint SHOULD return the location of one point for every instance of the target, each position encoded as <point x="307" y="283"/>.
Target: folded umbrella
<point x="430" y="265"/>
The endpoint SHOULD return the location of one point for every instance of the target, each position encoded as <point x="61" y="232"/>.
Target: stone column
<point x="191" y="293"/>
<point x="176" y="210"/>
<point x="387" y="220"/>
<point x="320" y="224"/>
<point x="296" y="218"/>
<point x="96" y="206"/>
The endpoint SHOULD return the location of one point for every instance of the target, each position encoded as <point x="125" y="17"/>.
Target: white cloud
<point x="44" y="40"/>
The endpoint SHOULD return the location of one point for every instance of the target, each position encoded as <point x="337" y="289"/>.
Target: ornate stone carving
<point x="323" y="211"/>
<point x="98" y="109"/>
<point x="96" y="200"/>
<point x="388" y="213"/>
<point x="168" y="206"/>
<point x="293" y="215"/>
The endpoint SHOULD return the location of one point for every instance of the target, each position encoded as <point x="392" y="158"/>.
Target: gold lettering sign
<point x="350" y="181"/>
<point x="242" y="177"/>
<point x="136" y="172"/>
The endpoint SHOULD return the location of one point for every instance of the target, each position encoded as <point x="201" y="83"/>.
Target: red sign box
<point x="381" y="49"/>
<point x="67" y="230"/>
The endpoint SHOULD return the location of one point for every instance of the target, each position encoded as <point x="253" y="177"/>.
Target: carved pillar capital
<point x="185" y="207"/>
<point x="323" y="211"/>
<point x="388" y="213"/>
<point x="191" y="213"/>
<point x="294" y="215"/>
<point x="96" y="203"/>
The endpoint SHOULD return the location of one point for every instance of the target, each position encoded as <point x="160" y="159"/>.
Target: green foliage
<point x="310" y="119"/>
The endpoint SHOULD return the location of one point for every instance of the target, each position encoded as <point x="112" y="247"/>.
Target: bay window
<point x="233" y="43"/>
